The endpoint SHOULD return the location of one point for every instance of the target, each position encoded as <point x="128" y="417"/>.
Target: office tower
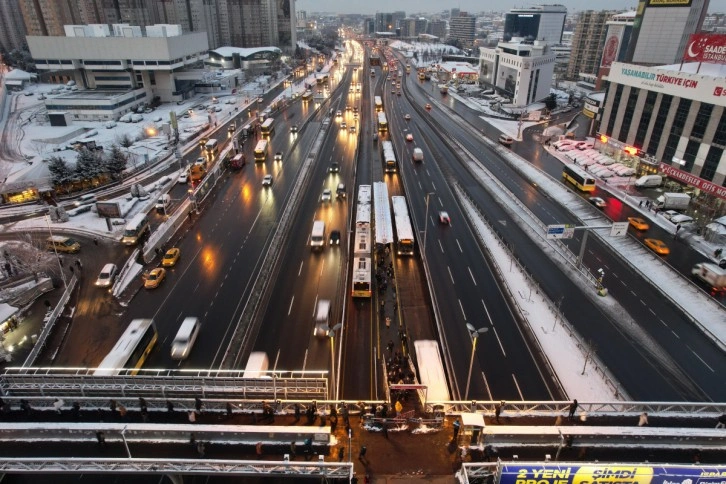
<point x="463" y="29"/>
<point x="661" y="30"/>
<point x="438" y="28"/>
<point x="12" y="28"/>
<point x="384" y="22"/>
<point x="396" y="18"/>
<point x="543" y="22"/>
<point x="587" y="43"/>
<point x="454" y="13"/>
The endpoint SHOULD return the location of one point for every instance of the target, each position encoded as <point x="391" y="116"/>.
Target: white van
<point x="649" y="181"/>
<point x="317" y="236"/>
<point x="162" y="204"/>
<point x="417" y="154"/>
<point x="185" y="338"/>
<point x="322" y="319"/>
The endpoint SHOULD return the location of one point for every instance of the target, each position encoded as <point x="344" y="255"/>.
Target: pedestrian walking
<point x="76" y="411"/>
<point x="643" y="420"/>
<point x="95" y="241"/>
<point x="58" y="404"/>
<point x="297" y="413"/>
<point x="640" y="203"/>
<point x="457" y="425"/>
<point x="388" y="322"/>
<point x="101" y="438"/>
<point x="362" y="453"/>
<point x="200" y="448"/>
<point x="341" y="453"/>
<point x="497" y="412"/>
<point x="112" y="406"/>
<point x="122" y="411"/>
<point x="169" y="406"/>
<point x="198" y="405"/>
<point x="721" y="422"/>
<point x="573" y="409"/>
<point x="399" y="407"/>
<point x="292" y="450"/>
<point x="229" y="409"/>
<point x="258" y="450"/>
<point x="192" y="416"/>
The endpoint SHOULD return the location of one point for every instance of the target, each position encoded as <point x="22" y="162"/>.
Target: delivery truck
<point x="711" y="274"/>
<point x="673" y="201"/>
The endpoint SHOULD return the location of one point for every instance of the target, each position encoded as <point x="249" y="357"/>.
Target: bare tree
<point x="40" y="147"/>
<point x="27" y="256"/>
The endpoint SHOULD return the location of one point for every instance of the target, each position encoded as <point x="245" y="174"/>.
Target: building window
<point x="690" y="154"/>
<point x="660" y="121"/>
<point x="614" y="109"/>
<point x="712" y="160"/>
<point x="629" y="113"/>
<point x="684" y="105"/>
<point x="704" y="116"/>
<point x="645" y="118"/>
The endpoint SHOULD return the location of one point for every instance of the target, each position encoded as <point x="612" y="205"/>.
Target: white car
<point x="267" y="181"/>
<point x="444" y="218"/>
<point x="343" y="125"/>
<point x="409" y="137"/>
<point x="107" y="275"/>
<point x="327" y="195"/>
<point x="278" y="156"/>
<point x="183" y="178"/>
<point x="407" y="117"/>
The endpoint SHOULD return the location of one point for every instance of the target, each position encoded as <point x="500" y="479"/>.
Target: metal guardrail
<point x="50" y="323"/>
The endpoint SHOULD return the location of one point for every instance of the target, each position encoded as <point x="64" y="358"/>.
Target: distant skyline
<point x="433" y="6"/>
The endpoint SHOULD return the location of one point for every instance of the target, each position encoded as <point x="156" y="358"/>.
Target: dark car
<point x="335" y="237"/>
<point x="334" y="167"/>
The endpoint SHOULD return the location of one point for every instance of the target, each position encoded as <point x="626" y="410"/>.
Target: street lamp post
<point x="474" y="335"/>
<point x="331" y="335"/>
<point x="426" y="221"/>
<point x="57" y="257"/>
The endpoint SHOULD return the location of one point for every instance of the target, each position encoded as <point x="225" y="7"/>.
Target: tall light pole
<point x="57" y="257"/>
<point x="331" y="335"/>
<point x="426" y="221"/>
<point x="474" y="335"/>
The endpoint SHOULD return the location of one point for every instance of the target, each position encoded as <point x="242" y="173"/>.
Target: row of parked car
<point x="600" y="165"/>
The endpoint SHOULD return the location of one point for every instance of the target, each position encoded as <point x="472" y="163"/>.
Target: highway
<point x="657" y="365"/>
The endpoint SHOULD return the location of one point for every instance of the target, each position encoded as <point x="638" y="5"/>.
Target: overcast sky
<point x="433" y="6"/>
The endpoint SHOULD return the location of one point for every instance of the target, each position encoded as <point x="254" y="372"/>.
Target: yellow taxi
<point x="638" y="223"/>
<point x="657" y="246"/>
<point x="171" y="257"/>
<point x="154" y="278"/>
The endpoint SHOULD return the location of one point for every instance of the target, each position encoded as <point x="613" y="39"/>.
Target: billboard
<point x="709" y="48"/>
<point x="697" y="182"/>
<point x="610" y="474"/>
<point x="669" y="3"/>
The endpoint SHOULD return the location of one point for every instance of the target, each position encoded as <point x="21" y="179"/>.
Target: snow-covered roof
<point x="700" y="68"/>
<point x="228" y="51"/>
<point x="19" y="75"/>
<point x="6" y="311"/>
<point x="458" y="67"/>
<point x="472" y="419"/>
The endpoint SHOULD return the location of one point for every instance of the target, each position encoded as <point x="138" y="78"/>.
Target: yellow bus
<point x="131" y="350"/>
<point x="261" y="150"/>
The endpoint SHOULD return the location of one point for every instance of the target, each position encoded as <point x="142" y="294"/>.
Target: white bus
<point x="211" y="149"/>
<point x="137" y="227"/>
<point x="362" y="268"/>
<point x="404" y="233"/>
<point x="131" y="349"/>
<point x="382" y="209"/>
<point x="261" y="150"/>
<point x="382" y="122"/>
<point x="362" y="249"/>
<point x="389" y="157"/>
<point x="317" y="236"/>
<point x="379" y="103"/>
<point x="267" y="127"/>
<point x="431" y="371"/>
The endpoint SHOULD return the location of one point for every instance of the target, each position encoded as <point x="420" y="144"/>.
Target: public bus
<point x="131" y="350"/>
<point x="404" y="233"/>
<point x="382" y="122"/>
<point x="578" y="177"/>
<point x="137" y="227"/>
<point x="408" y="68"/>
<point x="307" y="95"/>
<point x="362" y="250"/>
<point x="431" y="371"/>
<point x="267" y="127"/>
<point x="379" y="103"/>
<point x="389" y="157"/>
<point x="211" y="149"/>
<point x="361" y="277"/>
<point x="261" y="150"/>
<point x="382" y="210"/>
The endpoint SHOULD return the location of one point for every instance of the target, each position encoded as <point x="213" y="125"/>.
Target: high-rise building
<point x="543" y="22"/>
<point x="588" y="42"/>
<point x="369" y="26"/>
<point x="463" y="29"/>
<point x="438" y="28"/>
<point x="454" y="13"/>
<point x="384" y="22"/>
<point x="662" y="28"/>
<point x="47" y="17"/>
<point x="12" y="29"/>
<point x="397" y="17"/>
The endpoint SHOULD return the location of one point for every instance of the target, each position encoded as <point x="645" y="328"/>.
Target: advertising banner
<point x="669" y="3"/>
<point x="610" y="474"/>
<point x="709" y="48"/>
<point x="694" y="181"/>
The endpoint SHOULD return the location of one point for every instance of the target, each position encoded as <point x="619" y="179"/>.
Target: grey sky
<point x="433" y="6"/>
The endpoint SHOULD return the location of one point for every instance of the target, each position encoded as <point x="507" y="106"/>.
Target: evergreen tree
<point x="88" y="165"/>
<point x="60" y="173"/>
<point x="551" y="101"/>
<point x="116" y="162"/>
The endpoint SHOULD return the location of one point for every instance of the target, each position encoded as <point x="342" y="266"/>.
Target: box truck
<point x="711" y="274"/>
<point x="673" y="201"/>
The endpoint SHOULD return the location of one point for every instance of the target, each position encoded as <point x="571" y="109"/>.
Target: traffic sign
<point x="560" y="231"/>
<point x="619" y="229"/>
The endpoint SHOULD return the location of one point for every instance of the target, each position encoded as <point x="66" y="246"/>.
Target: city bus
<point x="578" y="177"/>
<point x="404" y="233"/>
<point x="130" y="350"/>
<point x="379" y="103"/>
<point x="362" y="249"/>
<point x="261" y="150"/>
<point x="267" y="127"/>
<point x="137" y="227"/>
<point x="307" y="95"/>
<point x="408" y="68"/>
<point x="211" y="149"/>
<point x="361" y="277"/>
<point x="431" y="371"/>
<point x="389" y="157"/>
<point x="382" y="122"/>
